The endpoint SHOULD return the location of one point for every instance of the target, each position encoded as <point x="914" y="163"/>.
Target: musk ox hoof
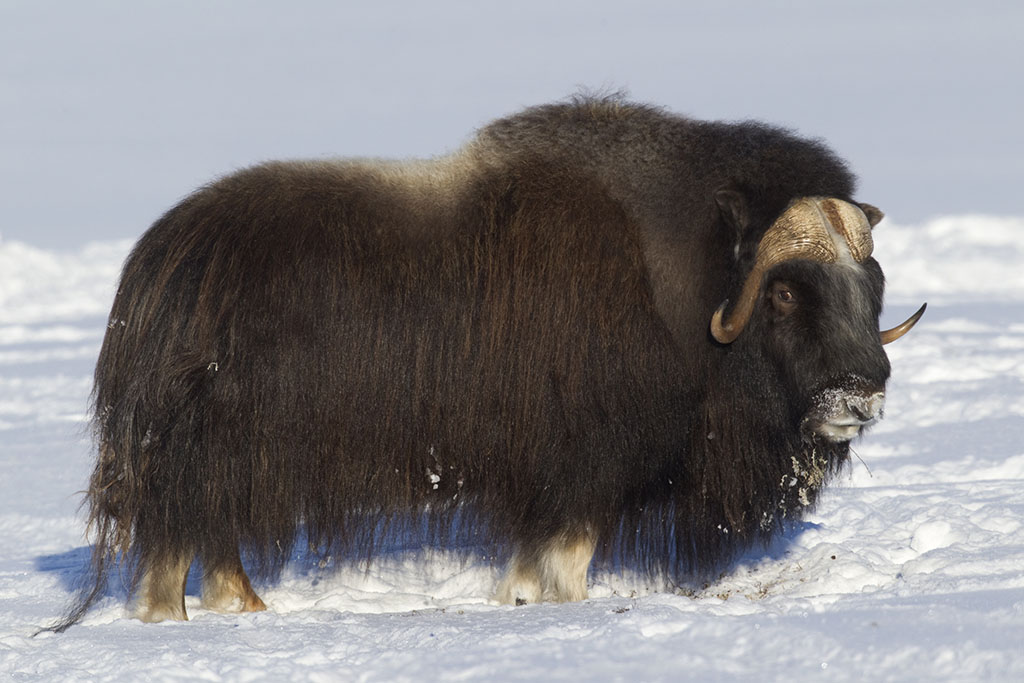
<point x="519" y="588"/>
<point x="152" y="614"/>
<point x="227" y="589"/>
<point x="247" y="603"/>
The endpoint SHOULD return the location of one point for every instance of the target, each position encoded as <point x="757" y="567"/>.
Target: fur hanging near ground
<point x="514" y="343"/>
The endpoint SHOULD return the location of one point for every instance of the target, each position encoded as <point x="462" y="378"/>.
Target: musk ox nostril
<point x="857" y="411"/>
<point x="865" y="408"/>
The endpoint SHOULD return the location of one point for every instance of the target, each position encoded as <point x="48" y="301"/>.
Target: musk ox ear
<point x="873" y="213"/>
<point x="733" y="207"/>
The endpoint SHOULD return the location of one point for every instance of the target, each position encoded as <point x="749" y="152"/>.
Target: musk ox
<point x="598" y="330"/>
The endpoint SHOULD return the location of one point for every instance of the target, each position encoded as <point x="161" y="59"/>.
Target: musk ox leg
<point x="556" y="571"/>
<point x="161" y="593"/>
<point x="226" y="587"/>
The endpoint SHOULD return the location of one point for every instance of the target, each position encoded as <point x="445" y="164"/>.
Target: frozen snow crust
<point x="911" y="568"/>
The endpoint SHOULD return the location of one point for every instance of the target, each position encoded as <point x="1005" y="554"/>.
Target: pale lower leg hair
<point x="557" y="571"/>
<point x="227" y="589"/>
<point x="161" y="593"/>
<point x="563" y="568"/>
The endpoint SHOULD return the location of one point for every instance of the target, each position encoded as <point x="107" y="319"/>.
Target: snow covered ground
<point x="912" y="567"/>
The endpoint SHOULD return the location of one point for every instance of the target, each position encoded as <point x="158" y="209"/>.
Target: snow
<point x="911" y="568"/>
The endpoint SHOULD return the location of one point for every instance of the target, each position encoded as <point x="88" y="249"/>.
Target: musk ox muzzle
<point x="843" y="411"/>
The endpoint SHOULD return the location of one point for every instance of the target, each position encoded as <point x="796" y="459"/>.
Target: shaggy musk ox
<point x="597" y="330"/>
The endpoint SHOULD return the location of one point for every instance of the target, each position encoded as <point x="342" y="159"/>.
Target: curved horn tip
<point x="891" y="335"/>
<point x="723" y="333"/>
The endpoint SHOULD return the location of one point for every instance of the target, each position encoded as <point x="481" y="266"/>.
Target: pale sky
<point x="112" y="111"/>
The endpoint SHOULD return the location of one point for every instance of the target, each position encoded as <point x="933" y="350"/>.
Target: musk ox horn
<point x="809" y="229"/>
<point x="904" y="327"/>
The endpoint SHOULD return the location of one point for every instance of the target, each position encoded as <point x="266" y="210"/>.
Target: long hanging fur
<point x="514" y="336"/>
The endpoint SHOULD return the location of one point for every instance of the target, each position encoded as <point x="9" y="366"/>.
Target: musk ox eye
<point x="783" y="299"/>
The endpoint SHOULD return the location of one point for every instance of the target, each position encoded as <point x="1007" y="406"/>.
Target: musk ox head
<point x="811" y="303"/>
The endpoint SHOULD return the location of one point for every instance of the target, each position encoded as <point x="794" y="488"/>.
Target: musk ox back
<point x="530" y="343"/>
